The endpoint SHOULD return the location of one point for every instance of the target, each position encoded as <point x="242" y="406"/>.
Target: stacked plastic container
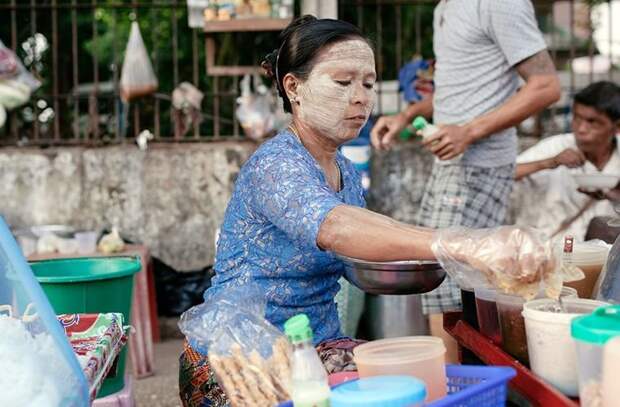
<point x="591" y="333"/>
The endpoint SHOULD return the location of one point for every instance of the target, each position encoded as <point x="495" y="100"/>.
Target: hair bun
<point x="269" y="64"/>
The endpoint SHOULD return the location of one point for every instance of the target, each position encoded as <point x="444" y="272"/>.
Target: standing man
<point x="482" y="49"/>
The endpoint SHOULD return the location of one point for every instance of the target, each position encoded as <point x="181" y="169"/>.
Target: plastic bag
<point x="250" y="357"/>
<point x="187" y="101"/>
<point x="2" y="116"/>
<point x="8" y="62"/>
<point x="16" y="83"/>
<point x="514" y="260"/>
<point x="39" y="367"/>
<point x="137" y="75"/>
<point x="415" y="80"/>
<point x="255" y="109"/>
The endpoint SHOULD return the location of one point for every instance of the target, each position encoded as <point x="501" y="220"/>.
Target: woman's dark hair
<point x="603" y="96"/>
<point x="299" y="43"/>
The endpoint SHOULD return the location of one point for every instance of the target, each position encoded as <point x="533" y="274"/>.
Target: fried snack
<point x="259" y="367"/>
<point x="280" y="364"/>
<point x="225" y="380"/>
<point x="240" y="388"/>
<point x="251" y="380"/>
<point x="248" y="376"/>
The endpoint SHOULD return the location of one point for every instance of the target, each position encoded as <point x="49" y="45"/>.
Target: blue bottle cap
<point x="379" y="391"/>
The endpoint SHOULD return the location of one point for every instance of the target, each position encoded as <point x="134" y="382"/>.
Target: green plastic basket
<point x="91" y="285"/>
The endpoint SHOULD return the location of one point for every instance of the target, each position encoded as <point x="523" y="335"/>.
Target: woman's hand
<point x="514" y="260"/>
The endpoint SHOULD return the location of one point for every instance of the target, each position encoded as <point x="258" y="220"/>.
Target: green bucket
<point x="91" y="285"/>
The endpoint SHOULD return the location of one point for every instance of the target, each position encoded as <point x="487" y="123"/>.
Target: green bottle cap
<point x="419" y="123"/>
<point x="298" y="329"/>
<point x="405" y="134"/>
<point x="598" y="327"/>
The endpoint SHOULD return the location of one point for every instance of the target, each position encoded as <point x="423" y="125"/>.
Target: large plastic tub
<point x="91" y="285"/>
<point x="552" y="351"/>
<point x="422" y="357"/>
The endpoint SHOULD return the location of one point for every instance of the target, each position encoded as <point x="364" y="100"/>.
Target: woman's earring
<point x="295" y="100"/>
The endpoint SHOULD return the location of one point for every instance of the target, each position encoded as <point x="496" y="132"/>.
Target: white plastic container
<point x="611" y="373"/>
<point x="551" y="348"/>
<point x="422" y="357"/>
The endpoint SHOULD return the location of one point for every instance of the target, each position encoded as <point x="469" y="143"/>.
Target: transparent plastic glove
<point x="514" y="260"/>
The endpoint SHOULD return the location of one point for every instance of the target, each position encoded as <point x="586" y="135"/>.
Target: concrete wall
<point x="170" y="197"/>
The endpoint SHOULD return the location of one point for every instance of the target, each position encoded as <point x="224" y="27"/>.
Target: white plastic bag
<point x="16" y="83"/>
<point x="137" y="75"/>
<point x="255" y="109"/>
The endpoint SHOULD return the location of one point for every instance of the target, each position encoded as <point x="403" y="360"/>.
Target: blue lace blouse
<point x="270" y="228"/>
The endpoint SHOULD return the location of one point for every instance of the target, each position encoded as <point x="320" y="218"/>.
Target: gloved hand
<point x="514" y="260"/>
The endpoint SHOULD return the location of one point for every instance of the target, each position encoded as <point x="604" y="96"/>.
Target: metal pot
<point x="390" y="316"/>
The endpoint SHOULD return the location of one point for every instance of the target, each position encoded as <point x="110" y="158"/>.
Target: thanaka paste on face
<point x="326" y="105"/>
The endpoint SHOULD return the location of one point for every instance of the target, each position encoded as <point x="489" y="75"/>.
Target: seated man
<point x="556" y="205"/>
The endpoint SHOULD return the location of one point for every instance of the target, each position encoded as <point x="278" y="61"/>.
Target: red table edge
<point x="525" y="382"/>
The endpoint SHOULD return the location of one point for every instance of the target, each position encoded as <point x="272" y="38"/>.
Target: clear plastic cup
<point x="512" y="325"/>
<point x="486" y="311"/>
<point x="551" y="349"/>
<point x="86" y="242"/>
<point x="422" y="357"/>
<point x="611" y="372"/>
<point x="590" y="257"/>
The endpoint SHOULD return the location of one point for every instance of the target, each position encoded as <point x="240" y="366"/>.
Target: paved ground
<point x="161" y="390"/>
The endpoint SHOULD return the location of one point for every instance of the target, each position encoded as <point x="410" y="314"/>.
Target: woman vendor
<point x="298" y="202"/>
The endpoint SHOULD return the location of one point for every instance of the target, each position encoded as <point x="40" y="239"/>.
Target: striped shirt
<point x="477" y="43"/>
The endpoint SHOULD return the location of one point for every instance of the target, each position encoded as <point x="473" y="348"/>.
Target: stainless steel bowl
<point x="396" y="277"/>
<point x="59" y="230"/>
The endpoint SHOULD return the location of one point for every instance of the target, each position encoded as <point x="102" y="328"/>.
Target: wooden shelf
<point x="246" y="24"/>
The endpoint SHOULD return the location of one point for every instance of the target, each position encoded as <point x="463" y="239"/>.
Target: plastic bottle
<point x="308" y="375"/>
<point x="426" y="130"/>
<point x="423" y="127"/>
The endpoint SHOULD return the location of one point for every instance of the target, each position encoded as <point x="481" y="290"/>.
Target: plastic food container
<point x="590" y="257"/>
<point x="591" y="333"/>
<point x="552" y="351"/>
<point x="512" y="325"/>
<point x="422" y="357"/>
<point x="380" y="391"/>
<point x="486" y="311"/>
<point x="611" y="372"/>
<point x="468" y="299"/>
